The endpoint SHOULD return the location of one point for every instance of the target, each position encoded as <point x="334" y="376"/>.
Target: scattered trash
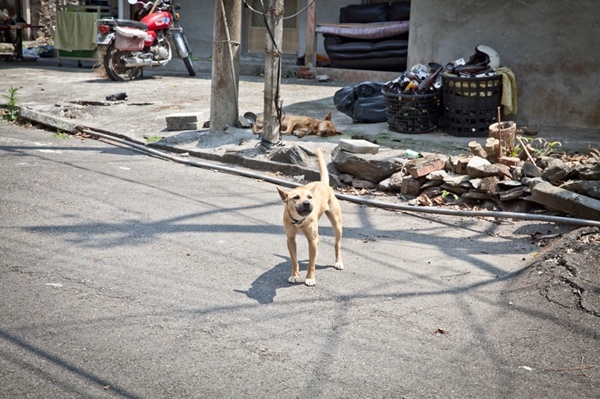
<point x="323" y="78"/>
<point x="411" y="154"/>
<point x="116" y="97"/>
<point x="54" y="285"/>
<point x="419" y="79"/>
<point x="363" y="102"/>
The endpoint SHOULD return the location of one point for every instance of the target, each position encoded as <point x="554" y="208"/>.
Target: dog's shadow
<point x="264" y="288"/>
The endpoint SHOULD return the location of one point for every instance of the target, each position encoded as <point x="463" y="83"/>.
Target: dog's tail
<point x="322" y="167"/>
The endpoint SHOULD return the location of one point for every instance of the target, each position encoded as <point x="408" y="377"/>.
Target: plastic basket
<point x="471" y="104"/>
<point x="413" y="113"/>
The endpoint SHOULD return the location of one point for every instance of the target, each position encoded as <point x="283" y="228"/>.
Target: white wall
<point x="551" y="46"/>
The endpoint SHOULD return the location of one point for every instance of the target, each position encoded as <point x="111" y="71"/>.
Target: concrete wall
<point x="551" y="46"/>
<point x="197" y="20"/>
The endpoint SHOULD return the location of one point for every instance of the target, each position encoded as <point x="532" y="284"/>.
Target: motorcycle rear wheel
<point x="115" y="66"/>
<point x="187" y="61"/>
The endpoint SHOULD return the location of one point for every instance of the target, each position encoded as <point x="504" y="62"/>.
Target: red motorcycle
<point x="130" y="46"/>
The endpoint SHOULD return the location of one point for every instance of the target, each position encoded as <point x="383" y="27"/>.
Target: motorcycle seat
<point x="131" y="24"/>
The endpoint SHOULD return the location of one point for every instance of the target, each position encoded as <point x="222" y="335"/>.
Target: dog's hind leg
<point x="290" y="128"/>
<point x="335" y="217"/>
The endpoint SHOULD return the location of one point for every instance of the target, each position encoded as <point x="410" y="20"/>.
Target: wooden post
<point x="272" y="103"/>
<point x="227" y="34"/>
<point x="311" y="25"/>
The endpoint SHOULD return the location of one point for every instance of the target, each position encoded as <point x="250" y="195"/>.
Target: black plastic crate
<point x="413" y="113"/>
<point x="471" y="104"/>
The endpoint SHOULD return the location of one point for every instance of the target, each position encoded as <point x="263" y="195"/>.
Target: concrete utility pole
<point x="311" y="24"/>
<point x="225" y="64"/>
<point x="274" y="11"/>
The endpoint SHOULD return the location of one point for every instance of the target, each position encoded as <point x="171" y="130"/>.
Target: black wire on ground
<point x="350" y="198"/>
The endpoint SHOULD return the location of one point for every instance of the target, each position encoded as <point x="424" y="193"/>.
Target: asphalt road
<point x="124" y="275"/>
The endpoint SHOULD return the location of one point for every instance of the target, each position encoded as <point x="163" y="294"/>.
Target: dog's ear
<point x="328" y="116"/>
<point x="283" y="194"/>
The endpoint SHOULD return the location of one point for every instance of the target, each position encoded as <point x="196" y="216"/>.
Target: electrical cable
<point x="345" y="197"/>
<point x="288" y="17"/>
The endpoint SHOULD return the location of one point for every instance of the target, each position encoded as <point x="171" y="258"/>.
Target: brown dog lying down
<point x="303" y="208"/>
<point x="301" y="126"/>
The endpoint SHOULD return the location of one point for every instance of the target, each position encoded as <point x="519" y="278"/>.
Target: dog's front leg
<point x="313" y="249"/>
<point x="301" y="133"/>
<point x="291" y="244"/>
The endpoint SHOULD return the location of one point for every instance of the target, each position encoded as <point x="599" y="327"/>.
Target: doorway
<point x="256" y="31"/>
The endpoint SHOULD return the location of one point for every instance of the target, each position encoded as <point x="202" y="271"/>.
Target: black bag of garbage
<point x="363" y="102"/>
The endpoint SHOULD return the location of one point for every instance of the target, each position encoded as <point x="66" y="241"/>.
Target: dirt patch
<point x="567" y="272"/>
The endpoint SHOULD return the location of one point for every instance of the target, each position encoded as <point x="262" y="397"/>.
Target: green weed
<point x="152" y="139"/>
<point x="61" y="135"/>
<point x="446" y="193"/>
<point x="12" y="111"/>
<point x="541" y="147"/>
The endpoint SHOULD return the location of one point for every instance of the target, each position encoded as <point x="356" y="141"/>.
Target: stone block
<point x="411" y="186"/>
<point x="590" y="188"/>
<point x="185" y="121"/>
<point x="359" y="146"/>
<point x="513" y="193"/>
<point x="461" y="165"/>
<point x="363" y="184"/>
<point x="556" y="170"/>
<point x="511" y="162"/>
<point x="424" y="166"/>
<point x="185" y="117"/>
<point x="531" y="170"/>
<point x="182" y="126"/>
<point x="497" y="169"/>
<point x="489" y="184"/>
<point x="590" y="172"/>
<point x="396" y="181"/>
<point x="476" y="166"/>
<point x="566" y="201"/>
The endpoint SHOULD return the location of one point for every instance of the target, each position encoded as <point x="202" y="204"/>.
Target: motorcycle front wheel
<point x="114" y="65"/>
<point x="187" y="61"/>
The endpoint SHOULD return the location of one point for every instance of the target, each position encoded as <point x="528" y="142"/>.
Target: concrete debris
<point x="556" y="170"/>
<point x="476" y="166"/>
<point x="294" y="155"/>
<point x="363" y="184"/>
<point x="359" y="146"/>
<point x="185" y="121"/>
<point x="590" y="172"/>
<point x="370" y="167"/>
<point x="421" y="167"/>
<point x="571" y="186"/>
<point x="590" y="188"/>
<point x="566" y="201"/>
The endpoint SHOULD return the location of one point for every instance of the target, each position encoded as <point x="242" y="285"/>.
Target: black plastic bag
<point x="364" y="102"/>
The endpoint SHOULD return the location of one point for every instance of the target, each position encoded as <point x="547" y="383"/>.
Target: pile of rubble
<point x="485" y="178"/>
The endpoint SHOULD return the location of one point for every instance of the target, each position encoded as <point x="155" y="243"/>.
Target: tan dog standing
<point x="304" y="206"/>
<point x="301" y="126"/>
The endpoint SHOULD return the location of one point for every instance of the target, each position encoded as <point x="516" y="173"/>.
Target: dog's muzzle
<point x="305" y="208"/>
